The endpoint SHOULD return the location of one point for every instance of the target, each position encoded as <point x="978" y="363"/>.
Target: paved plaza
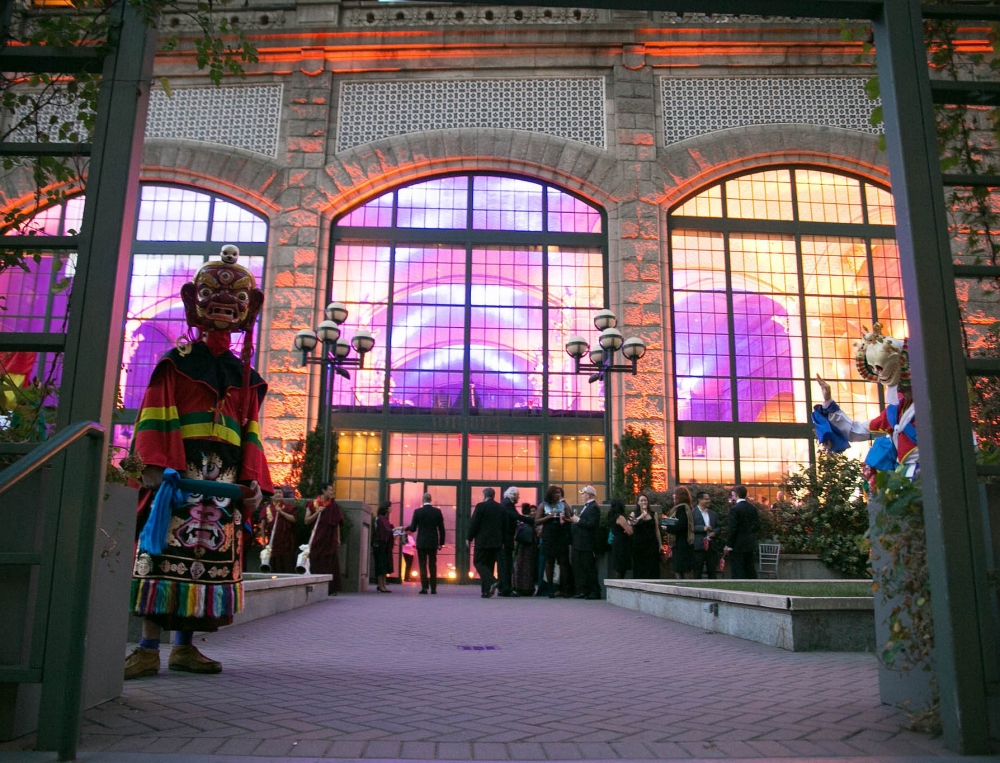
<point x="383" y="677"/>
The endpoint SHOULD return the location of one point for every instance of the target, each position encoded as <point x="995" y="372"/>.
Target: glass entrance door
<point x="407" y="496"/>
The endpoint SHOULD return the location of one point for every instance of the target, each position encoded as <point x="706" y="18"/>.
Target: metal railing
<point x="62" y="689"/>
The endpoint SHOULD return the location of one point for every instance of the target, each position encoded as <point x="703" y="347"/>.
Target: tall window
<point x="775" y="275"/>
<point x="472" y="286"/>
<point x="177" y="230"/>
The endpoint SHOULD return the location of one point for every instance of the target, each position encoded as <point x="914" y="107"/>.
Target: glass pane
<point x="505" y="358"/>
<point x="430" y="275"/>
<point x="361" y="272"/>
<point x="574" y="462"/>
<point x="441" y="203"/>
<point x="885" y="269"/>
<point x="46" y="222"/>
<point x="765" y="460"/>
<point x="705" y="204"/>
<point x="359" y="457"/>
<point x="172" y="214"/>
<point x="513" y="458"/>
<point x="576" y="278"/>
<point x="568" y="214"/>
<point x="74" y="215"/>
<point x="366" y="386"/>
<point x="827" y="198"/>
<point x="701" y="351"/>
<point x="698" y="260"/>
<point x="424" y="455"/>
<point x="836" y="266"/>
<point x="706" y="460"/>
<point x="761" y="196"/>
<point x="233" y="224"/>
<point x="881" y="210"/>
<point x="762" y="262"/>
<point x="377" y="213"/>
<point x="501" y="203"/>
<point x="502" y="276"/>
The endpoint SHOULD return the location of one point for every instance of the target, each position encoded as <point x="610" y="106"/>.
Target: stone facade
<point x="319" y="54"/>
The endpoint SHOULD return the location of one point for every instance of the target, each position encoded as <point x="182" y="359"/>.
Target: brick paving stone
<point x="200" y="746"/>
<point x="355" y="663"/>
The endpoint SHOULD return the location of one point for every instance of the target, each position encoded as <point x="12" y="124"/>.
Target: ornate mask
<point x="883" y="359"/>
<point x="223" y="295"/>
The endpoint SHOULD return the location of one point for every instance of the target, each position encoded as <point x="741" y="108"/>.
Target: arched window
<point x="471" y="285"/>
<point x="774" y="276"/>
<point x="177" y="230"/>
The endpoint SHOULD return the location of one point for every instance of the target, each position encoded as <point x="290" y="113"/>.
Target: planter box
<point x="795" y="623"/>
<point x="806" y="567"/>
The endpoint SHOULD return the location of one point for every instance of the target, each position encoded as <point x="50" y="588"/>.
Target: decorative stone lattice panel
<point x="567" y="108"/>
<point x="402" y="15"/>
<point x="695" y="106"/>
<point x="244" y="117"/>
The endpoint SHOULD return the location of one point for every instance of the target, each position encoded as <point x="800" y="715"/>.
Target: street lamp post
<point x="602" y="364"/>
<point x="333" y="355"/>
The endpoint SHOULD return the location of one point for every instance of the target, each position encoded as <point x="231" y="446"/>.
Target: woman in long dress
<point x="526" y="556"/>
<point x="555" y="540"/>
<point x="324" y="547"/>
<point x="682" y="558"/>
<point x="382" y="546"/>
<point x="646" y="543"/>
<point x="621" y="539"/>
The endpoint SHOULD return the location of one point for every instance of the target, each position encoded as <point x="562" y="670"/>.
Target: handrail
<point x="47" y="450"/>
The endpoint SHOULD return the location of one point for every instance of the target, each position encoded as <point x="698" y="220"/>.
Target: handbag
<point x="611" y="538"/>
<point x="525" y="534"/>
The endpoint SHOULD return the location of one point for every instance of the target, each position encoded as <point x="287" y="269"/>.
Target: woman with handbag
<point x="324" y="545"/>
<point x="681" y="530"/>
<point x="382" y="540"/>
<point x="621" y="539"/>
<point x="646" y="543"/>
<point x="526" y="556"/>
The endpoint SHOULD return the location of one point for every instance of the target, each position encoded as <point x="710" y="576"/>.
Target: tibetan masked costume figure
<point x="198" y="421"/>
<point x="884" y="360"/>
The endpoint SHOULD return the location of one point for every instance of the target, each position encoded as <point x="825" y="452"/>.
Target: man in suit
<point x="705" y="529"/>
<point x="486" y="529"/>
<point x="505" y="560"/>
<point x="586" y="528"/>
<point x="428" y="523"/>
<point x="741" y="538"/>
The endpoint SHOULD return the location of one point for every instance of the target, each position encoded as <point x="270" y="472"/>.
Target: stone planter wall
<point x="806" y="567"/>
<point x="795" y="623"/>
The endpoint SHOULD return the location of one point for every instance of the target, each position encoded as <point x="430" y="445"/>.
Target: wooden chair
<point x="767" y="555"/>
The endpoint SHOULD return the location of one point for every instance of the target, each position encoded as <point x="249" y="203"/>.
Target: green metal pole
<point x="947" y="451"/>
<point x="93" y="348"/>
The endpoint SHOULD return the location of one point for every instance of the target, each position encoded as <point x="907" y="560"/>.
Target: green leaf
<point x="165" y="84"/>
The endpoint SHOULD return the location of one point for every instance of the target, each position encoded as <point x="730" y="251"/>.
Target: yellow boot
<point x="142" y="662"/>
<point x="190" y="660"/>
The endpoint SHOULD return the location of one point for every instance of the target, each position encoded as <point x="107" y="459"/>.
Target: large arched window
<point x="774" y="277"/>
<point x="471" y="285"/>
<point x="177" y="230"/>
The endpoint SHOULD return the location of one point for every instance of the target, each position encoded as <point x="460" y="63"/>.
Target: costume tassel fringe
<point x="173" y="597"/>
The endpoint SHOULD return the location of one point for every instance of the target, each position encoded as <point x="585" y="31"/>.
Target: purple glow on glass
<point x="501" y="203"/>
<point x="362" y="271"/>
<point x="441" y="203"/>
<point x="567" y="214"/>
<point x="172" y="214"/>
<point x="377" y="213"/>
<point x="232" y="223"/>
<point x="429" y="275"/>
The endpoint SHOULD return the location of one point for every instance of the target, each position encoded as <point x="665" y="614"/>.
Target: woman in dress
<point x="526" y="556"/>
<point x="683" y="533"/>
<point x="555" y="539"/>
<point x="621" y="538"/>
<point x="324" y="546"/>
<point x="382" y="546"/>
<point x="646" y="543"/>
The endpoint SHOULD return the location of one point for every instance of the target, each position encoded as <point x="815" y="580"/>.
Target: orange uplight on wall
<point x="52" y="3"/>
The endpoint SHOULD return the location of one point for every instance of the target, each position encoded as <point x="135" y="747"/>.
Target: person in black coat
<point x="487" y="528"/>
<point x="586" y="526"/>
<point x="706" y="554"/>
<point x="428" y="523"/>
<point x="505" y="559"/>
<point x="741" y="537"/>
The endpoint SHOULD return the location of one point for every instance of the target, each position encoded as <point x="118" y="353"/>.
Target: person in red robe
<point x="284" y="548"/>
<point x="324" y="547"/>
<point x="198" y="420"/>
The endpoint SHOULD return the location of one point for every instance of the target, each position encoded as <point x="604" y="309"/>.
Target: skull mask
<point x="223" y="295"/>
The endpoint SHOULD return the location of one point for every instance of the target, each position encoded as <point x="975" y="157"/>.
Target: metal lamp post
<point x="602" y="363"/>
<point x="333" y="355"/>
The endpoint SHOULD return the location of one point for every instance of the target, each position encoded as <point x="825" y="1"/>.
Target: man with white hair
<point x="505" y="561"/>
